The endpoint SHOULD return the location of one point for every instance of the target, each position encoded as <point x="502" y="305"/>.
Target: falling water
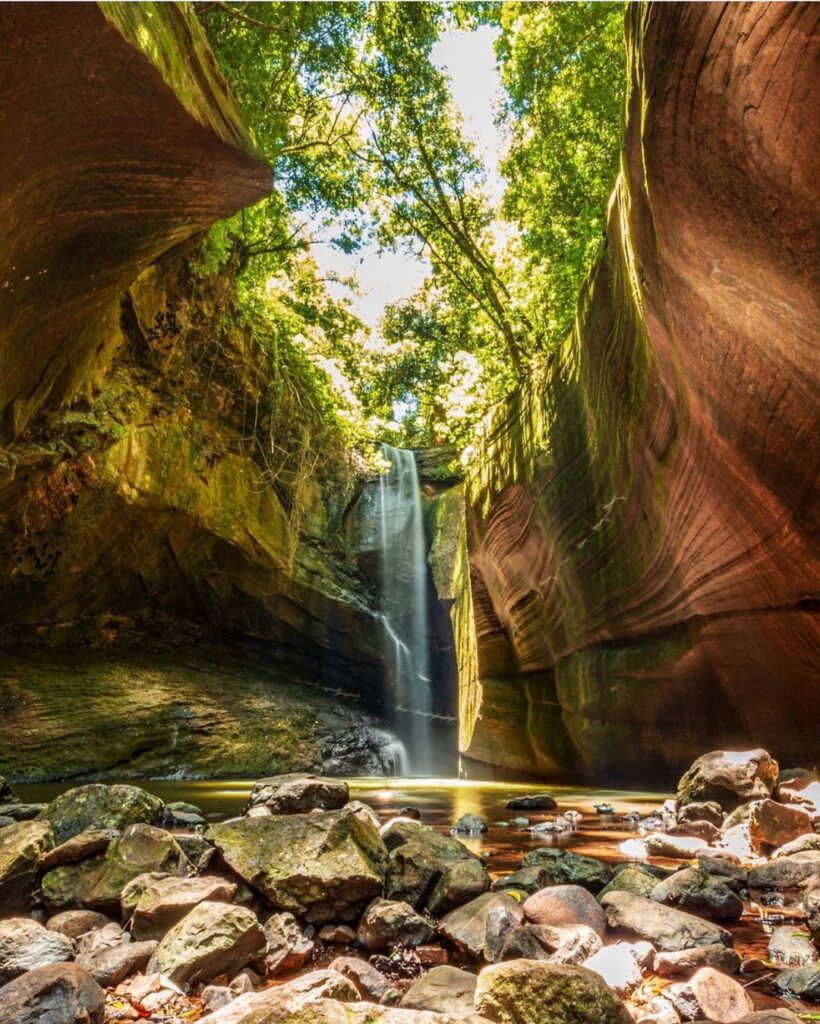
<point x="404" y="605"/>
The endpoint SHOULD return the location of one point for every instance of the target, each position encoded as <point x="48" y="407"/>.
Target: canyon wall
<point x="641" y="521"/>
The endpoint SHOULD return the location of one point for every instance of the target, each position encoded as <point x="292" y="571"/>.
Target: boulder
<point x="618" y="965"/>
<point x="501" y="923"/>
<point x="167" y="900"/>
<point x="211" y="939"/>
<point x="111" y="934"/>
<point x="533" y="802"/>
<point x="79" y="847"/>
<point x="325" y="866"/>
<point x="631" y="879"/>
<point x="804" y="983"/>
<point x="695" y="891"/>
<point x="711" y="995"/>
<point x="442" y="990"/>
<point x="565" y="905"/>
<point x="528" y="880"/>
<point x="431" y="871"/>
<point x="20" y="812"/>
<point x="108" y="967"/>
<point x="25" y="944"/>
<point x="329" y="1011"/>
<point x="810" y="841"/>
<point x="55" y="994"/>
<point x="811" y="908"/>
<point x="791" y="947"/>
<point x="704" y="830"/>
<point x="74" y="923"/>
<point x="728" y="778"/>
<point x="98" y="806"/>
<point x="684" y="962"/>
<point x="289" y="944"/>
<point x="364" y="811"/>
<point x="666" y="928"/>
<point x="21" y="846"/>
<point x="563" y="867"/>
<point x="466" y="927"/>
<point x="296" y="793"/>
<point x="97" y="883"/>
<point x="536" y="992"/>
<point x="565" y="944"/>
<point x="701" y="810"/>
<point x="369" y="982"/>
<point x="661" y="844"/>
<point x="197" y="849"/>
<point x="786" y="872"/>
<point x="386" y="924"/>
<point x="470" y="824"/>
<point x="724" y="866"/>
<point x="291" y="997"/>
<point x="772" y="824"/>
<point x="340" y="934"/>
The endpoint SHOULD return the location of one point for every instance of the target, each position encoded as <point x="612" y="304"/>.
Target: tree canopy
<point x="368" y="147"/>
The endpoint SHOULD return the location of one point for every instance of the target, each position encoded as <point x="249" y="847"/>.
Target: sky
<point x="470" y="60"/>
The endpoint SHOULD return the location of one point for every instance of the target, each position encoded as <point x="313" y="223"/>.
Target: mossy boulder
<point x="536" y="992"/>
<point x="21" y="846"/>
<point x="97" y="883"/>
<point x="100" y="806"/>
<point x="325" y="866"/>
<point x="562" y="867"/>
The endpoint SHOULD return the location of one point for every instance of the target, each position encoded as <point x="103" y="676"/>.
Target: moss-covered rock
<point x="21" y="846"/>
<point x="97" y="806"/>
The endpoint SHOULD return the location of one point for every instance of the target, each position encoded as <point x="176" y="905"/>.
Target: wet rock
<point x="59" y="993"/>
<point x="791" y="947"/>
<point x="786" y="872"/>
<point x="618" y="965"/>
<point x="211" y="939"/>
<point x="702" y="810"/>
<point x="470" y="824"/>
<point x="528" y="880"/>
<point x="699" y="893"/>
<point x="728" y="778"/>
<point x="466" y="927"/>
<point x="442" y="990"/>
<point x="685" y="962"/>
<point x="533" y="802"/>
<point x="325" y="866"/>
<point x="711" y="995"/>
<point x="666" y="928"/>
<point x="296" y="793"/>
<point x="568" y="944"/>
<point x="97" y="883"/>
<point x="167" y="900"/>
<point x="108" y="967"/>
<point x="518" y="991"/>
<point x="810" y="841"/>
<point x="772" y="824"/>
<point x="79" y="847"/>
<point x="431" y="871"/>
<point x="565" y="905"/>
<point x="803" y="983"/>
<point x="290" y="946"/>
<point x="565" y="868"/>
<point x="675" y="847"/>
<point x="182" y="815"/>
<point x="338" y="934"/>
<point x="722" y="866"/>
<point x="25" y="944"/>
<point x="97" y="806"/>
<point x="21" y="846"/>
<point x="74" y="923"/>
<point x="369" y="982"/>
<point x="631" y="879"/>
<point x="275" y="1003"/>
<point x="389" y="923"/>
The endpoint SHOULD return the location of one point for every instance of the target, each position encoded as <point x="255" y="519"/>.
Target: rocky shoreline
<point x="308" y="907"/>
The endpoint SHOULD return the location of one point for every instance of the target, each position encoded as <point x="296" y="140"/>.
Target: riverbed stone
<point x="631" y="879"/>
<point x="471" y="824"/>
<point x="277" y="1002"/>
<point x="695" y="891"/>
<point x="772" y="824"/>
<point x="565" y="905"/>
<point x="386" y="924"/>
<point x="370" y="983"/>
<point x="685" y="962"/>
<point x="728" y="778"/>
<point x="563" y="867"/>
<point x="618" y="964"/>
<point x="804" y="983"/>
<point x="564" y="944"/>
<point x="528" y="880"/>
<point x="99" y="806"/>
<point x="786" y="872"/>
<point x="442" y="990"/>
<point x="665" y="927"/>
<point x="25" y="944"/>
<point x="533" y="802"/>
<point x="22" y="844"/>
<point x="661" y="844"/>
<point x="810" y="841"/>
<point x="711" y="995"/>
<point x="167" y="900"/>
<point x="108" y="967"/>
<point x="79" y="847"/>
<point x="536" y="992"/>
<point x="811" y="908"/>
<point x="329" y="1011"/>
<point x="20" y="812"/>
<point x="298" y="793"/>
<point x="701" y="810"/>
<point x="791" y="946"/>
<point x="290" y="944"/>
<point x="60" y="993"/>
<point x="74" y="923"/>
<point x="98" y="882"/>
<point x="466" y="927"/>
<point x="211" y="939"/>
<point x="325" y="866"/>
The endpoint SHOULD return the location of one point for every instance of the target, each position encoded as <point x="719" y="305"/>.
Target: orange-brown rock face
<point x="119" y="140"/>
<point x="643" y="522"/>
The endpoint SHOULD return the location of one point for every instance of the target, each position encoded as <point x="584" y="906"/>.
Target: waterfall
<point x="404" y="605"/>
